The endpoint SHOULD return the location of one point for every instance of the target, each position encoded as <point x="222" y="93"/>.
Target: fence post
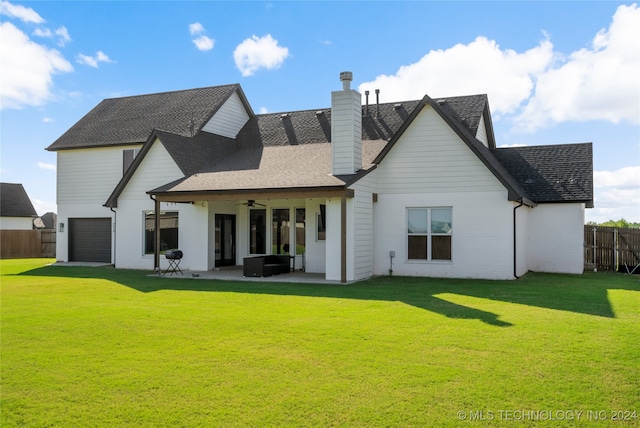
<point x="595" y="245"/>
<point x="615" y="249"/>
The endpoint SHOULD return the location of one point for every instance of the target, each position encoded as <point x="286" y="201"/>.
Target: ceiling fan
<point x="252" y="203"/>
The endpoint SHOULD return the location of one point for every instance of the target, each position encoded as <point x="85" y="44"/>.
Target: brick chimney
<point x="346" y="128"/>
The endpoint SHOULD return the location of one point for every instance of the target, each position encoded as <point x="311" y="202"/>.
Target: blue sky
<point x="555" y="72"/>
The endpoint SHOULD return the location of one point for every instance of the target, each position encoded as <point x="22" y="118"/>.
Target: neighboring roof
<point x="14" y="201"/>
<point x="49" y="219"/>
<point x="553" y="173"/>
<point x="130" y="120"/>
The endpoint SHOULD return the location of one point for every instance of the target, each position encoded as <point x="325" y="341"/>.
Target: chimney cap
<point x="346" y="77"/>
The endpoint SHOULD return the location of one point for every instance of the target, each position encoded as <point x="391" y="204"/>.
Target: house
<point x="49" y="220"/>
<point x="351" y="191"/>
<point x="16" y="209"/>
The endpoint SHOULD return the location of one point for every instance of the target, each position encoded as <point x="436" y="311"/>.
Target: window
<point x="321" y="231"/>
<point x="168" y="231"/>
<point x="257" y="231"/>
<point x="429" y="233"/>
<point x="127" y="158"/>
<point x="300" y="231"/>
<point x="280" y="231"/>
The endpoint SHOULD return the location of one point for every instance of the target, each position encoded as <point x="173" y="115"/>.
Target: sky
<point x="555" y="72"/>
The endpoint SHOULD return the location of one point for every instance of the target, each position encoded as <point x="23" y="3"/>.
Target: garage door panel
<point x="90" y="240"/>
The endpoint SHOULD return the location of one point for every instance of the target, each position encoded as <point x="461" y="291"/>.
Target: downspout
<point x="115" y="235"/>
<point x="515" y="247"/>
<point x="156" y="244"/>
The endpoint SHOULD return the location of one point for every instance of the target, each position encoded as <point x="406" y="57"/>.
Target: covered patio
<point x="235" y="273"/>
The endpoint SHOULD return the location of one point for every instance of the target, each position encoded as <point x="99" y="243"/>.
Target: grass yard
<point x="105" y="347"/>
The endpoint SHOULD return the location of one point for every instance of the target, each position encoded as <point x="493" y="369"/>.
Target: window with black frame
<point x="168" y="231"/>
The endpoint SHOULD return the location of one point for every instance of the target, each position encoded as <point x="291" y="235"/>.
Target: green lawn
<point x="105" y="347"/>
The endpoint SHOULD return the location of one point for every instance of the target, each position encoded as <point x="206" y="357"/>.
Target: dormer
<point x="230" y="117"/>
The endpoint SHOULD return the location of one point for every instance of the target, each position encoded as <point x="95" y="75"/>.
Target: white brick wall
<point x="556" y="238"/>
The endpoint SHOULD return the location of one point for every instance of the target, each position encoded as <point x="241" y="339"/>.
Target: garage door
<point x="90" y="240"/>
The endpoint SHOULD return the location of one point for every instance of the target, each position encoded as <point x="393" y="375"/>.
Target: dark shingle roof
<point x="49" y="219"/>
<point x="130" y="120"/>
<point x="14" y="201"/>
<point x="553" y="173"/>
<point x="381" y="122"/>
<point x="209" y="149"/>
<point x="269" y="151"/>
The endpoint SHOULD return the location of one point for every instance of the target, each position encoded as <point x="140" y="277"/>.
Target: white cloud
<point x="27" y="69"/>
<point x="25" y="14"/>
<point x="512" y="145"/>
<point x="506" y="75"/>
<point x="596" y="83"/>
<point x="196" y="28"/>
<point x="48" y="166"/>
<point x="259" y="52"/>
<point x="43" y="32"/>
<point x="204" y="43"/>
<point x="263" y="110"/>
<point x="617" y="195"/>
<point x="537" y="87"/>
<point x="93" y="61"/>
<point x="47" y="120"/>
<point x="62" y="33"/>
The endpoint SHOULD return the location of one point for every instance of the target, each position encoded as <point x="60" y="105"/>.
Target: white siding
<point x="346" y="131"/>
<point x="481" y="134"/>
<point x="79" y="210"/>
<point x="192" y="235"/>
<point x="157" y="168"/>
<point x="315" y="257"/>
<point x="16" y="223"/>
<point x="556" y="238"/>
<point x="333" y="243"/>
<point x="85" y="180"/>
<point x="229" y="119"/>
<point x="88" y="176"/>
<point x="430" y="157"/>
<point x="522" y="239"/>
<point x="363" y="227"/>
<point x="431" y="167"/>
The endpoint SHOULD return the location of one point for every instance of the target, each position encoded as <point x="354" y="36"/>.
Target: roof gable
<point x="14" y="201"/>
<point x="466" y="133"/>
<point x="130" y="120"/>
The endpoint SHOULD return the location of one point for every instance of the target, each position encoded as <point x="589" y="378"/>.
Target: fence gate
<point x="612" y="249"/>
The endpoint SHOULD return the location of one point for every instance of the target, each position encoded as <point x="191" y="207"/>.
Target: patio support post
<point x="156" y="246"/>
<point x="343" y="239"/>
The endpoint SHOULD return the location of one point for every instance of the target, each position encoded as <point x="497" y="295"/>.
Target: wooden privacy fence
<point x="612" y="248"/>
<point x="25" y="244"/>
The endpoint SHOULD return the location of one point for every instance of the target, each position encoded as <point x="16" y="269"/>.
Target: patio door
<point x="225" y="240"/>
